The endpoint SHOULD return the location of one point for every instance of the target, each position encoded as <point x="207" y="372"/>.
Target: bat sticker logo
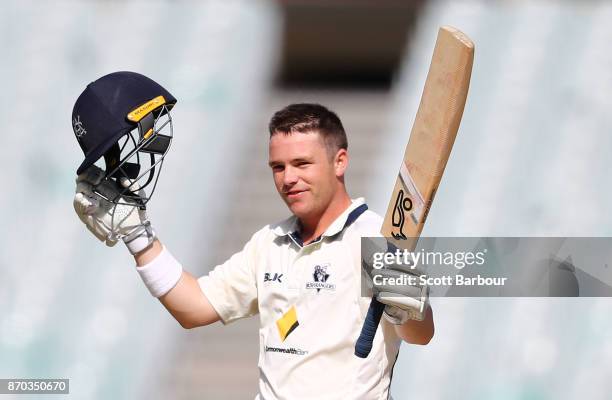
<point x="403" y="204"/>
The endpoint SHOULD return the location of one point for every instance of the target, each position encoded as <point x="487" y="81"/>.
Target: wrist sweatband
<point x="161" y="274"/>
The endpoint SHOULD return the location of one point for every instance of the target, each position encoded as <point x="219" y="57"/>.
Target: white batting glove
<point x="110" y="222"/>
<point x="403" y="302"/>
<point x="405" y="309"/>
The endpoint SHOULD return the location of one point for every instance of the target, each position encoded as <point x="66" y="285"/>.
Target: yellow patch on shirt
<point x="287" y="323"/>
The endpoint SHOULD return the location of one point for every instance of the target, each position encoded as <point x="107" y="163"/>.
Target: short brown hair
<point x="306" y="117"/>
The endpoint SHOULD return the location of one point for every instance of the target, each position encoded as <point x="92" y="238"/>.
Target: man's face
<point x="304" y="175"/>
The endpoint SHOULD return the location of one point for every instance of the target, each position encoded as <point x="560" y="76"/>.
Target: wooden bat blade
<point x="431" y="140"/>
<point x="433" y="134"/>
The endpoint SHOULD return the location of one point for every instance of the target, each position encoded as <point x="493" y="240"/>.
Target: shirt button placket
<point x="297" y="269"/>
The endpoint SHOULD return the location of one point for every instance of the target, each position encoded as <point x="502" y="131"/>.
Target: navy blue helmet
<point x="124" y="118"/>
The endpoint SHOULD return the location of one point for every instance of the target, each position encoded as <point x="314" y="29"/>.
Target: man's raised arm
<point x="185" y="300"/>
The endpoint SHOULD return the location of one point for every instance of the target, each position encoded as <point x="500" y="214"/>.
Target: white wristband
<point x="161" y="274"/>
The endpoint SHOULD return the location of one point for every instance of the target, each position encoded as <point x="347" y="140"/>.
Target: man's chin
<point x="298" y="208"/>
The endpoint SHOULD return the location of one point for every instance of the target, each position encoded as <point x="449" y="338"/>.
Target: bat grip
<point x="368" y="331"/>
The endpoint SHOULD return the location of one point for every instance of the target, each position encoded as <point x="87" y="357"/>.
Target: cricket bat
<point x="431" y="140"/>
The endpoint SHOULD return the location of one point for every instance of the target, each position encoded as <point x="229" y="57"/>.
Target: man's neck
<point x="316" y="227"/>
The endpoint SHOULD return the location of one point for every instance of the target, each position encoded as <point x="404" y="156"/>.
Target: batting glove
<point x="110" y="222"/>
<point x="404" y="301"/>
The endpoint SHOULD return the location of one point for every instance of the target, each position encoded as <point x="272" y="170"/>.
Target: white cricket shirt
<point x="310" y="308"/>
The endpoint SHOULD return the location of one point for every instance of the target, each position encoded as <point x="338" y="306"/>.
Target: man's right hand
<point x="110" y="222"/>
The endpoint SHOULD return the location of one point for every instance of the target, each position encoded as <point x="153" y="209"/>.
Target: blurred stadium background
<point x="532" y="158"/>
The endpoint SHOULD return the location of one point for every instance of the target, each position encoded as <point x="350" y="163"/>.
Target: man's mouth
<point x="293" y="194"/>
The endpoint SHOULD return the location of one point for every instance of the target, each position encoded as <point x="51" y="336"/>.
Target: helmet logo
<point x="139" y="112"/>
<point x="77" y="125"/>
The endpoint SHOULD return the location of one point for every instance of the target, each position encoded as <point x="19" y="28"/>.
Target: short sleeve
<point x="231" y="287"/>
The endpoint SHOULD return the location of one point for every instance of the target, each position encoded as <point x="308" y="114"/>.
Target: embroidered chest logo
<point x="320" y="277"/>
<point x="273" y="277"/>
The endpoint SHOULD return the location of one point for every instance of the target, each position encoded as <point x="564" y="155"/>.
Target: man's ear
<point x="341" y="162"/>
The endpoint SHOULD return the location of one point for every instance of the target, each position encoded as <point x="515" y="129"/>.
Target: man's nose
<point x="290" y="177"/>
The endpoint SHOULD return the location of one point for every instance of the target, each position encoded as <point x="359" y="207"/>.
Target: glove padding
<point x="403" y="301"/>
<point x="110" y="222"/>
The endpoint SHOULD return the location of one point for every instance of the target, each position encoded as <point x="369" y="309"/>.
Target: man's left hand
<point x="405" y="300"/>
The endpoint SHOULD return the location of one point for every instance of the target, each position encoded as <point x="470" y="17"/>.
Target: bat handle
<point x="368" y="331"/>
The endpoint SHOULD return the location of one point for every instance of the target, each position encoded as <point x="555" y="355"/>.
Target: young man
<point x="302" y="276"/>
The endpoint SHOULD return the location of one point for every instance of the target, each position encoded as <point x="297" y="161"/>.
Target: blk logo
<point x="276" y="277"/>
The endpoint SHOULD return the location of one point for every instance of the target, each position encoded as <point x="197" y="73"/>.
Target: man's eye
<point x="277" y="168"/>
<point x="303" y="163"/>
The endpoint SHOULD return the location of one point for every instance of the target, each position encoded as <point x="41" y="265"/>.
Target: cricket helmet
<point x="124" y="119"/>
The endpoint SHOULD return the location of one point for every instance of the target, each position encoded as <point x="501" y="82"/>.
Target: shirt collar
<point x="348" y="216"/>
